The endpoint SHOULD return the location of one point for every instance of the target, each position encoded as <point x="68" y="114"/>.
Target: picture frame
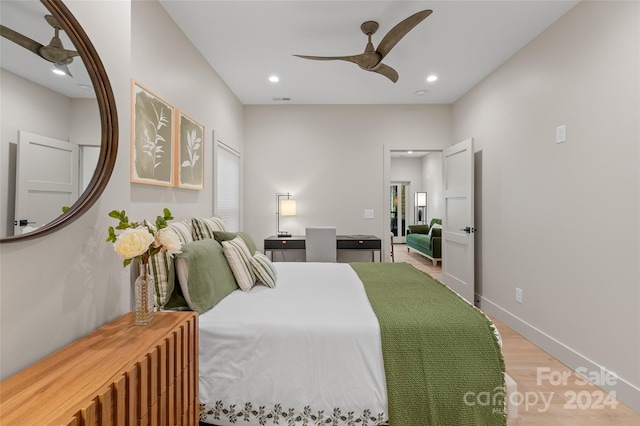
<point x="190" y="141"/>
<point x="152" y="139"/>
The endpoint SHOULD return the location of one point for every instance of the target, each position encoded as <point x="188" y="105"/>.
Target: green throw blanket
<point x="442" y="360"/>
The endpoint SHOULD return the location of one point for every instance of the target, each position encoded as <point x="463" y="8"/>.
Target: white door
<point x="399" y="208"/>
<point x="458" y="221"/>
<point x="46" y="180"/>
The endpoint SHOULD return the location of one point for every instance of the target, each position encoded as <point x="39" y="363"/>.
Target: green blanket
<point x="442" y="360"/>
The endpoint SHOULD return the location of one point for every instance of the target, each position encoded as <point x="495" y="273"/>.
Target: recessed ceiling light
<point x="420" y="92"/>
<point x="274" y="79"/>
<point x="432" y="78"/>
<point x="58" y="71"/>
<point x="409" y="152"/>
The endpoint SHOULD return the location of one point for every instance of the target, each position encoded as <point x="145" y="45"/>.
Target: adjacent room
<point x="471" y="145"/>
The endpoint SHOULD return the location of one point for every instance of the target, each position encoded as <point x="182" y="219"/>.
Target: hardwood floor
<point x="551" y="393"/>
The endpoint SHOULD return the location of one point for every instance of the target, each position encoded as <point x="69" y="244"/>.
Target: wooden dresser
<point x="121" y="374"/>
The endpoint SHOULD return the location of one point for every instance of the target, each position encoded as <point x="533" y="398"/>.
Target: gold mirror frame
<point x="108" y="120"/>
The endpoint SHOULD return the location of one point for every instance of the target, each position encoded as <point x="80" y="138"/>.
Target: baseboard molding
<point x="625" y="392"/>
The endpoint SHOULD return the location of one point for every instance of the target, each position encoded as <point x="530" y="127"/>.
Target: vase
<point x="145" y="296"/>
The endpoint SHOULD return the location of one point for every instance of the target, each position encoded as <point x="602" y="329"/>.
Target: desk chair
<point x="320" y="244"/>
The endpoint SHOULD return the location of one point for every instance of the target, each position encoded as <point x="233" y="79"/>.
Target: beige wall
<point x="332" y="159"/>
<point x="562" y="221"/>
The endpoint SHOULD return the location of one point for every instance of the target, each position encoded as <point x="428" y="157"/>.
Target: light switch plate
<point x="368" y="214"/>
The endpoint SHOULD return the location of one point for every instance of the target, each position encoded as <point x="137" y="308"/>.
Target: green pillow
<point x="204" y="275"/>
<point x="419" y="229"/>
<point x="221" y="236"/>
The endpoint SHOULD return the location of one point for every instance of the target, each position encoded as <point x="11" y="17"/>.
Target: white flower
<point x="133" y="242"/>
<point x="169" y="241"/>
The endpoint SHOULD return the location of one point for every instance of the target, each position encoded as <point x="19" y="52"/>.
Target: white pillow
<point x="239" y="258"/>
<point x="264" y="269"/>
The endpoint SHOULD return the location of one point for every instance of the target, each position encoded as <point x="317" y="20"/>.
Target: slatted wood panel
<point x="119" y="374"/>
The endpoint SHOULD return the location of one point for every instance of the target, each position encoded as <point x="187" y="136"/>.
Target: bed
<point x="342" y="344"/>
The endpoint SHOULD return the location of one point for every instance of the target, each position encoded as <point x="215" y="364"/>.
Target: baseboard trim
<point x="625" y="392"/>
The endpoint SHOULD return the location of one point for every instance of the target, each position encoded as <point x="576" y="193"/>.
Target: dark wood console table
<point x="343" y="242"/>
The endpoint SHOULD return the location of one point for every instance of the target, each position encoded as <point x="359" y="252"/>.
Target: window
<point x="228" y="186"/>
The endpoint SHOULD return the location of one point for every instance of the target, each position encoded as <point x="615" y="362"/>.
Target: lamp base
<point x="284" y="235"/>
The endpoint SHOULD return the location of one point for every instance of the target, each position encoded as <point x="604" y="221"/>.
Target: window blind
<point x="228" y="186"/>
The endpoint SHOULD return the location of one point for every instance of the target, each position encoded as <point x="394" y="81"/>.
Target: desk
<point x="343" y="242"/>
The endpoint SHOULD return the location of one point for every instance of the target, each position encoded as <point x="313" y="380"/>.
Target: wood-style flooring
<point x="561" y="398"/>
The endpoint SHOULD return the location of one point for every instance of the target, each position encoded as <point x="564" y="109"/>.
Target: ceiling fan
<point x="53" y="52"/>
<point x="371" y="59"/>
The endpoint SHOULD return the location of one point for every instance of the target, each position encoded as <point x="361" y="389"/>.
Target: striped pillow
<point x="239" y="259"/>
<point x="184" y="230"/>
<point x="204" y="227"/>
<point x="161" y="264"/>
<point x="264" y="269"/>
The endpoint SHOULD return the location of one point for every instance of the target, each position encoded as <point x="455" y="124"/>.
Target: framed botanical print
<point x="190" y="152"/>
<point x="152" y="139"/>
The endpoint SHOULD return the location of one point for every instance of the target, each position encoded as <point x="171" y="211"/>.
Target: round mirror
<point x="65" y="49"/>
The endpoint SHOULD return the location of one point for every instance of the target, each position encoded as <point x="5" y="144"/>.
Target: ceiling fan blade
<point x="20" y="39"/>
<point x="387" y="71"/>
<point x="399" y="31"/>
<point x="353" y="58"/>
<point x="366" y="60"/>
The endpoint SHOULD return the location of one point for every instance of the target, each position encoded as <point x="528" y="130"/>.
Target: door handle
<point x="468" y="229"/>
<point x="22" y="222"/>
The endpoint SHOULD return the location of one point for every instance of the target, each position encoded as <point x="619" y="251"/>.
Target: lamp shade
<point x="421" y="199"/>
<point x="287" y="207"/>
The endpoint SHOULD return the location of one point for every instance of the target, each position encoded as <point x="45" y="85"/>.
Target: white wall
<point x="165" y="62"/>
<point x="57" y="288"/>
<point x="408" y="170"/>
<point x="432" y="184"/>
<point x="332" y="159"/>
<point x="84" y="122"/>
<point x="562" y="221"/>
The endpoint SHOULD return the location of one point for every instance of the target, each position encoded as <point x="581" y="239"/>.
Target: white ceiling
<point x="461" y="42"/>
<point x="27" y="18"/>
<point x="247" y="41"/>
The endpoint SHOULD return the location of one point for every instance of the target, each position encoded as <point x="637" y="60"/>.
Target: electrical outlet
<point x="518" y="295"/>
<point x="368" y="214"/>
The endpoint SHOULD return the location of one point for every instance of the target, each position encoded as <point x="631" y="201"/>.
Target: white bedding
<point x="303" y="349"/>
